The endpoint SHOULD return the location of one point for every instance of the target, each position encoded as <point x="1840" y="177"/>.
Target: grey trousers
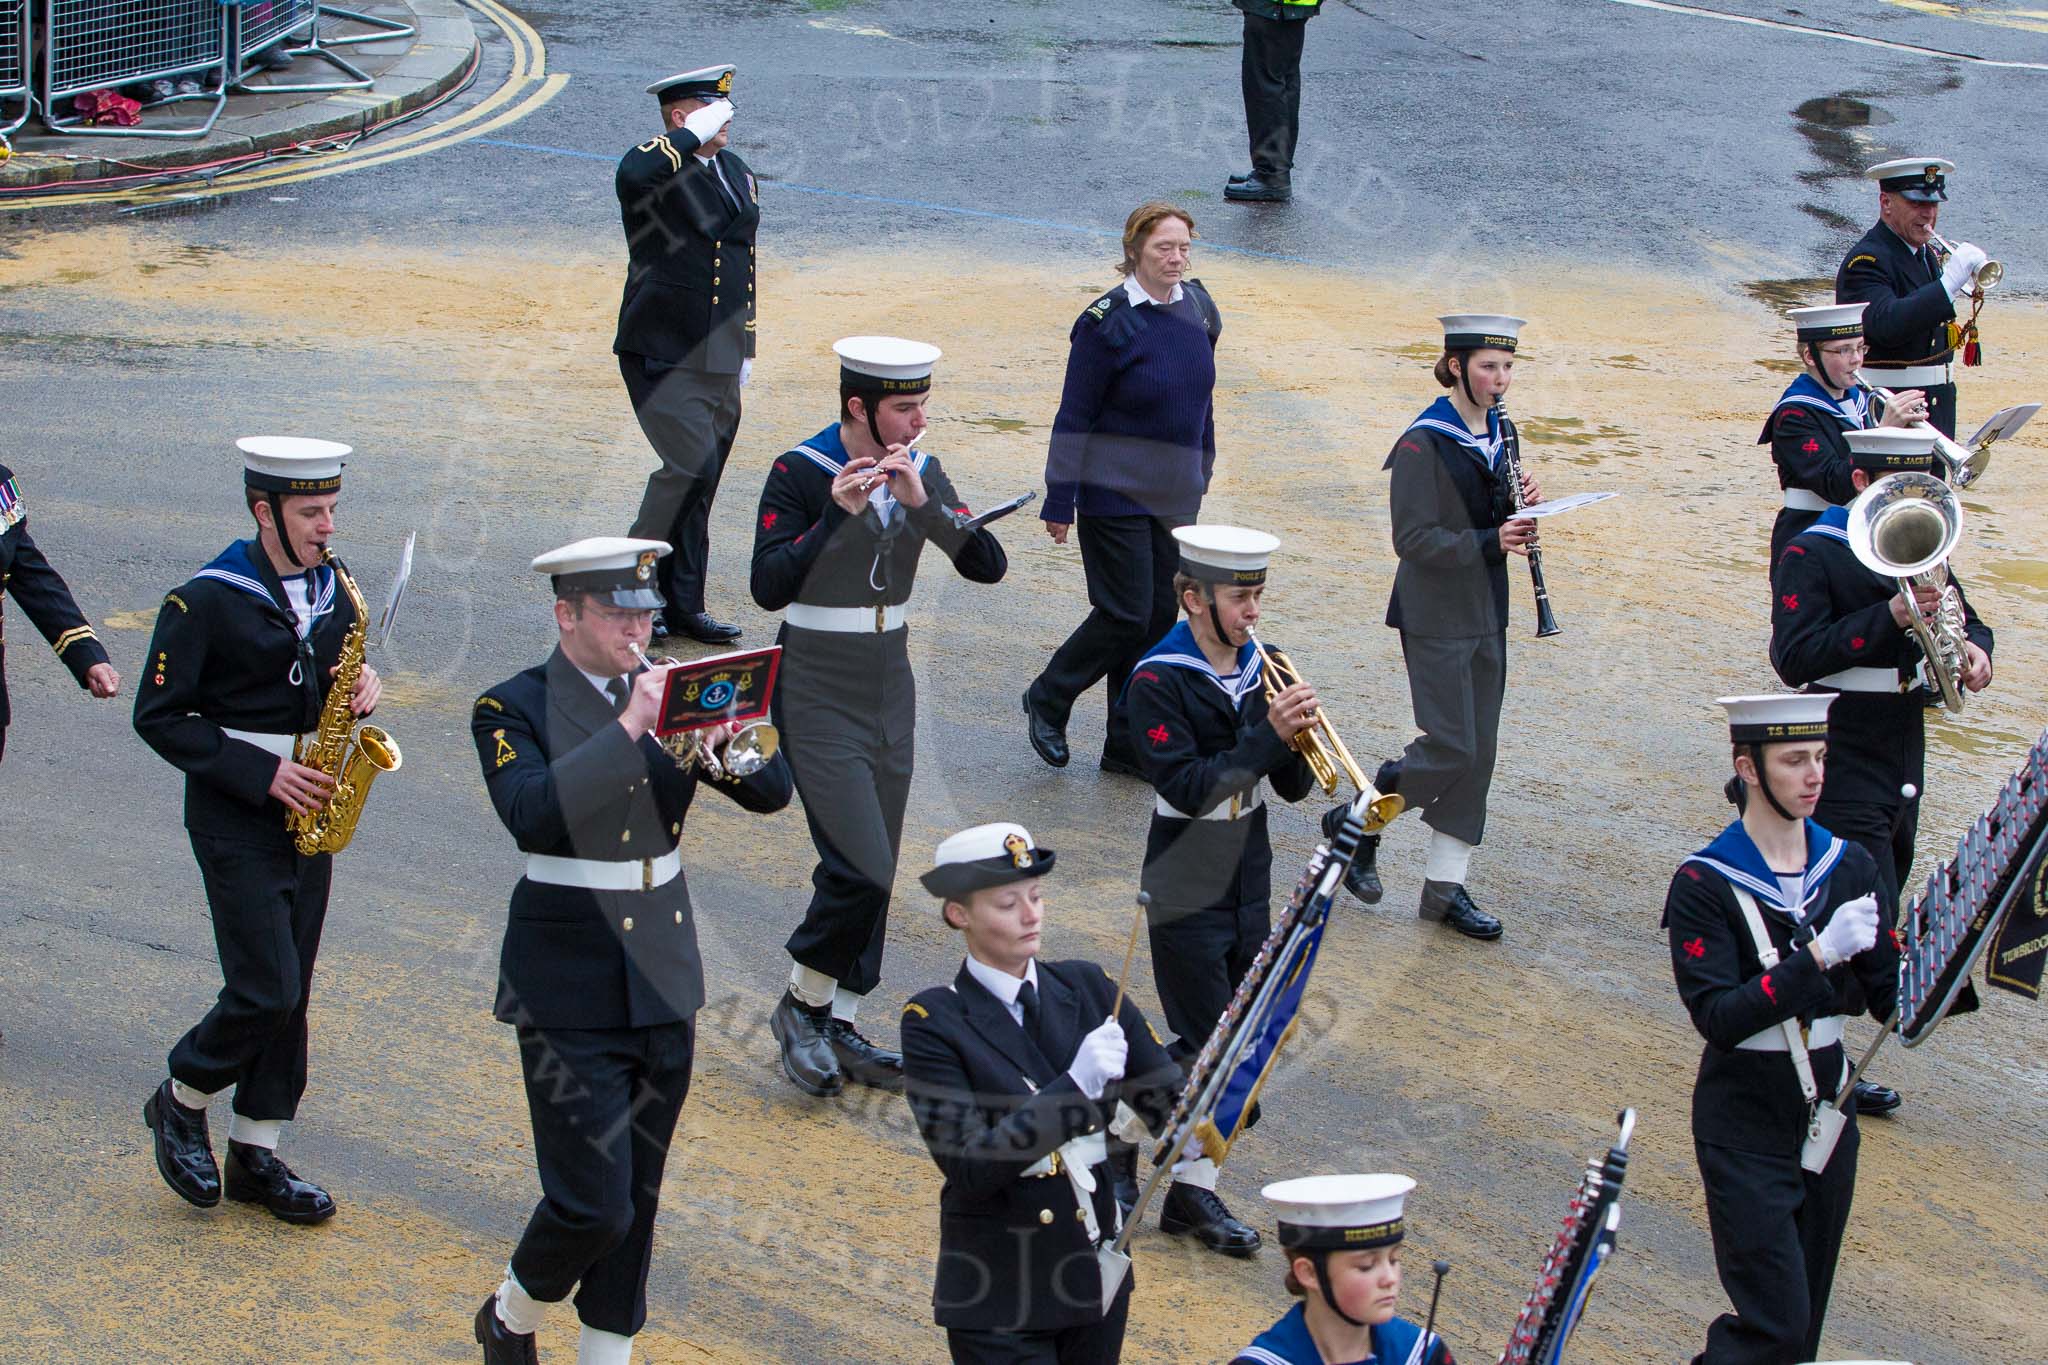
<point x="1455" y="685"/>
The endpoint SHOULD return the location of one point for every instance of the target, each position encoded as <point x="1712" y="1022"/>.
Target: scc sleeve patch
<point x="505" y="754"/>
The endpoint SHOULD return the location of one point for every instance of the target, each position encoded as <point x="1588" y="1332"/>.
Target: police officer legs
<point x="1271" y="80"/>
<point x="691" y="418"/>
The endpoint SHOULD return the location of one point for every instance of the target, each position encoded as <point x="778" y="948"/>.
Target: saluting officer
<point x="40" y="591"/>
<point x="1210" y="744"/>
<point x="1838" y="625"/>
<point x="1454" y="522"/>
<point x="600" y="973"/>
<point x="686" y="324"/>
<point x="1342" y="1235"/>
<point x="237" y="675"/>
<point x="1911" y="285"/>
<point x="843" y="520"/>
<point x="1014" y="1073"/>
<point x="1808" y="429"/>
<point x="1774" y="930"/>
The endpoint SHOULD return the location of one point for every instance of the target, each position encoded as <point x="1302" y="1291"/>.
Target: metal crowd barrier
<point x="14" y="50"/>
<point x="96" y="44"/>
<point x="261" y="23"/>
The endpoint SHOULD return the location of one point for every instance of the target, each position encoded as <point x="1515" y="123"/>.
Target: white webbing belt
<point x="1230" y="808"/>
<point x="1912" y="376"/>
<point x="592" y="874"/>
<point x="1789" y="1038"/>
<point x="1806" y="500"/>
<point x="1825" y="1031"/>
<point x="284" y="746"/>
<point x="1078" y="1159"/>
<point x="846" y="620"/>
<point x="1862" y="680"/>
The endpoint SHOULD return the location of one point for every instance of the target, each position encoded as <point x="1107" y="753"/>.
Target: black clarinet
<point x="1511" y="454"/>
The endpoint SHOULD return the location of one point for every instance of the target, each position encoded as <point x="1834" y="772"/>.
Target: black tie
<point x="615" y="688"/>
<point x="1027" y="999"/>
<point x="725" y="191"/>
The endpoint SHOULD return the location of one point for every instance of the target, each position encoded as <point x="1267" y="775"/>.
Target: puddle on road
<point x="1005" y="425"/>
<point x="1779" y="295"/>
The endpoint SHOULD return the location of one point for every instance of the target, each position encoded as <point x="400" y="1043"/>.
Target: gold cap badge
<point x="1020" y="852"/>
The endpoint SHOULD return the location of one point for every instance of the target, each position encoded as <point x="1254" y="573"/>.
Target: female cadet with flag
<point x="1773" y="925"/>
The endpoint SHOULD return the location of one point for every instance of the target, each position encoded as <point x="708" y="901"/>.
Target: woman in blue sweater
<point x="1132" y="450"/>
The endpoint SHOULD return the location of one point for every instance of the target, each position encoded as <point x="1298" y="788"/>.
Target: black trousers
<point x="1271" y="77"/>
<point x="847" y="708"/>
<point x="604" y="1104"/>
<point x="1941" y="407"/>
<point x="268" y="906"/>
<point x="1456" y="686"/>
<point x="1198" y="957"/>
<point x="1884" y="834"/>
<point x="1777" y="1232"/>
<point x="1098" y="1343"/>
<point x="1129" y="563"/>
<point x="691" y="418"/>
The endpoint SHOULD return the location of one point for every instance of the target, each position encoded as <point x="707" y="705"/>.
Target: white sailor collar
<point x="1441" y="416"/>
<point x="1179" y="650"/>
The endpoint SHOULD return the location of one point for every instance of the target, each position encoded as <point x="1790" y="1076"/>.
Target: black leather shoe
<point x="1239" y="177"/>
<point x="1257" y="189"/>
<point x="1362" y="878"/>
<point x="1190" y="1208"/>
<point x="502" y="1345"/>
<point x="1876" y="1100"/>
<point x="699" y="626"/>
<point x="184" y="1155"/>
<point x="808" y="1057"/>
<point x="1123" y="765"/>
<point x="1123" y="1175"/>
<point x="1447" y="903"/>
<point x="1048" y="740"/>
<point x="659" y="627"/>
<point x="861" y="1061"/>
<point x="256" y="1176"/>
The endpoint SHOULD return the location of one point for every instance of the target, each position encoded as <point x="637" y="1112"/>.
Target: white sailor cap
<point x="886" y="364"/>
<point x="1922" y="179"/>
<point x="1473" y="331"/>
<point x="705" y="83"/>
<point x="291" y="464"/>
<point x="985" y="856"/>
<point x="617" y="569"/>
<point x="1225" y="554"/>
<point x="1828" y="321"/>
<point x="1886" y="450"/>
<point x="1781" y="718"/>
<point x="1339" y="1212"/>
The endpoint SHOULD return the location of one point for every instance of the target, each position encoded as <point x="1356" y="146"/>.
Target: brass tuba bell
<point x="1904" y="527"/>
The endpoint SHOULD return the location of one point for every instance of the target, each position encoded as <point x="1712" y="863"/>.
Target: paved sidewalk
<point x="408" y="72"/>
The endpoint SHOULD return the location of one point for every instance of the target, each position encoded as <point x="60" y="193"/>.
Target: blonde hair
<point x="1139" y="226"/>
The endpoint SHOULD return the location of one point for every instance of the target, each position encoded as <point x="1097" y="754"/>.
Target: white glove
<point x="1100" y="1059"/>
<point x="1961" y="268"/>
<point x="746" y="371"/>
<point x="703" y="124"/>
<point x="1853" y="929"/>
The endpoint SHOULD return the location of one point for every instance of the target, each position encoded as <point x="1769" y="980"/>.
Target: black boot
<point x="1048" y="737"/>
<point x="1239" y="177"/>
<point x="1273" y="187"/>
<point x="808" y="1058"/>
<point x="184" y="1154"/>
<point x="256" y="1176"/>
<point x="1447" y="903"/>
<point x="1876" y="1100"/>
<point x="502" y="1345"/>
<point x="1362" y="878"/>
<point x="1190" y="1208"/>
<point x="702" y="627"/>
<point x="860" y="1060"/>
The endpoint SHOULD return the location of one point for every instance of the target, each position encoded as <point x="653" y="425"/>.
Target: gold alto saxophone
<point x="351" y="756"/>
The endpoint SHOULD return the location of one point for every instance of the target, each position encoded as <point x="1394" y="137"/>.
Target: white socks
<point x="813" y="988"/>
<point x="187" y="1096"/>
<point x="603" y="1348"/>
<point x="262" y="1133"/>
<point x="518" y="1310"/>
<point x="844" y="1004"/>
<point x="1201" y="1173"/>
<point x="1449" y="858"/>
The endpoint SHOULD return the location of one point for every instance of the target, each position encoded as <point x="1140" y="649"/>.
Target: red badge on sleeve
<point x="768" y="520"/>
<point x="1856" y="642"/>
<point x="1770" y="993"/>
<point x="1811" y="446"/>
<point x="1791" y="601"/>
<point x="1158" y="734"/>
<point x="1696" y="949"/>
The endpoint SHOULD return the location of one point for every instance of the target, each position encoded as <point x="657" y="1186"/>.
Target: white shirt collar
<point x="1001" y="984"/>
<point x="603" y="684"/>
<point x="1135" y="292"/>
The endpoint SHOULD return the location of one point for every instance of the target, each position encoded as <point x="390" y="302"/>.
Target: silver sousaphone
<point x="1904" y="527"/>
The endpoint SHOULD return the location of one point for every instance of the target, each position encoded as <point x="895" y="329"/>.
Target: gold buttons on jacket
<point x="679" y="917"/>
<point x="627" y="924"/>
<point x="1045" y="1215"/>
<point x="676" y="829"/>
<point x="714" y="279"/>
<point x="1080" y="1215"/>
<point x="626" y="836"/>
<point x="714" y="299"/>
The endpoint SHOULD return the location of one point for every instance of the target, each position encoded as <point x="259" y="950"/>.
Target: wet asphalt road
<point x="1668" y="143"/>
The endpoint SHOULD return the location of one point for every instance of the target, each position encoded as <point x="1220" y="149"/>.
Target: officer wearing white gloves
<point x="1015" y="1073"/>
<point x="1913" y="286"/>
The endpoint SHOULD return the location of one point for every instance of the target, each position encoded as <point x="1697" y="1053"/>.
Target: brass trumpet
<point x="1322" y="747"/>
<point x="743" y="755"/>
<point x="1988" y="274"/>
